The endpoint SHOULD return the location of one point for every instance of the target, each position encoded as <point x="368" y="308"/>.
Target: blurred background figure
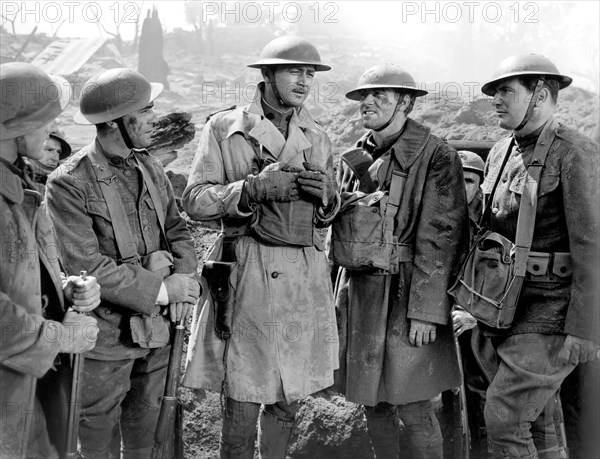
<point x="55" y="150"/>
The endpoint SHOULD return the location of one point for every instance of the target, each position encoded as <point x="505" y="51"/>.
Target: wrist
<point x="163" y="295"/>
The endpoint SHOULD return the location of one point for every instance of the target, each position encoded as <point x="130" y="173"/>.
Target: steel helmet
<point x="525" y="64"/>
<point x="65" y="148"/>
<point x="113" y="94"/>
<point x="472" y="162"/>
<point x="290" y="50"/>
<point x="385" y="76"/>
<point x="30" y="99"/>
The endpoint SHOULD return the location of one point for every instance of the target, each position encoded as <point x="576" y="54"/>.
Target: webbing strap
<point x="123" y="234"/>
<point x="155" y="197"/>
<point x="529" y="198"/>
<point x="396" y="189"/>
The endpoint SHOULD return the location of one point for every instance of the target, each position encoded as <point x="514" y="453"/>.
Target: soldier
<point x="264" y="174"/>
<point x="556" y="324"/>
<point x="36" y="325"/>
<point x="115" y="213"/>
<point x="399" y="351"/>
<point x="55" y="150"/>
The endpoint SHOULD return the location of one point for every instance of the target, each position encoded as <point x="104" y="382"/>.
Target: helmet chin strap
<point x="538" y="87"/>
<point x="124" y="133"/>
<point x="388" y="122"/>
<point x="271" y="76"/>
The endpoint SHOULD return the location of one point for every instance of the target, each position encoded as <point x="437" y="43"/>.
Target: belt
<point x="549" y="267"/>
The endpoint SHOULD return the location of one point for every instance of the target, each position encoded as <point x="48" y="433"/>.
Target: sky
<point x="466" y="36"/>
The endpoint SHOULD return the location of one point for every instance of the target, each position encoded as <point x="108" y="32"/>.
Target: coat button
<point x="274" y="274"/>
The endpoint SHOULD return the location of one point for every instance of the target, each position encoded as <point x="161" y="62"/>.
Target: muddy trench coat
<point x="29" y="344"/>
<point x="284" y="343"/>
<point x="377" y="362"/>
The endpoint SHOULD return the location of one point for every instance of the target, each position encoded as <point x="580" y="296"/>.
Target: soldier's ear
<point x="266" y="75"/>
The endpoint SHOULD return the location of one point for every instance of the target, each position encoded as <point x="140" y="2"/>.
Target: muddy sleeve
<point x="441" y="237"/>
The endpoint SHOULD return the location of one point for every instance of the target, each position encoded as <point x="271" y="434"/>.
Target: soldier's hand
<point x="78" y="333"/>
<point x="182" y="288"/>
<point x="179" y="312"/>
<point x="82" y="295"/>
<point x="274" y="183"/>
<point x="316" y="182"/>
<point x="462" y="321"/>
<point x="421" y="332"/>
<point x="577" y="350"/>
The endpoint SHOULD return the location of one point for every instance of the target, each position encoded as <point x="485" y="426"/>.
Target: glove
<point x="316" y="182"/>
<point x="182" y="288"/>
<point x="273" y="184"/>
<point x="78" y="333"/>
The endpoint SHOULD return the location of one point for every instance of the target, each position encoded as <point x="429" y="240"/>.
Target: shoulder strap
<point x="155" y="196"/>
<point x="529" y="199"/>
<point x="123" y="234"/>
<point x="488" y="204"/>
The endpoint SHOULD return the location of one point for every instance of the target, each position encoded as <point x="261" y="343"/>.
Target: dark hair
<point x="412" y="96"/>
<point x="529" y="81"/>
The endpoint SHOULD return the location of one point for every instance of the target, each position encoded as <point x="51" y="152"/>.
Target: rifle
<point x="73" y="419"/>
<point x="165" y="446"/>
<point x="462" y="437"/>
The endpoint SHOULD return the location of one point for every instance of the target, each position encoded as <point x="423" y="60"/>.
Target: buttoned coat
<point x="29" y="343"/>
<point x="377" y="362"/>
<point x="284" y="343"/>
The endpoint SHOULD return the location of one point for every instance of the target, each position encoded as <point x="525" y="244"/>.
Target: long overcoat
<point x="29" y="343"/>
<point x="284" y="343"/>
<point x="377" y="362"/>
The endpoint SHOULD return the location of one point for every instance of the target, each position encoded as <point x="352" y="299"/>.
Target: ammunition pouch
<point x="152" y="331"/>
<point x="362" y="234"/>
<point x="488" y="286"/>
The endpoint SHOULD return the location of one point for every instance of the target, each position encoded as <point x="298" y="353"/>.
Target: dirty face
<point x="510" y="101"/>
<point x="293" y="83"/>
<point x="31" y="144"/>
<point x="139" y="125"/>
<point x="472" y="182"/>
<point x="377" y="106"/>
<point x="52" y="150"/>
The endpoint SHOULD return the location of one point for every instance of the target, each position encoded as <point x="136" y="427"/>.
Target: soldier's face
<point x="32" y="143"/>
<point x="510" y="102"/>
<point x="377" y="106"/>
<point x="140" y="125"/>
<point x="293" y="83"/>
<point x="52" y="150"/>
<point x="472" y="182"/>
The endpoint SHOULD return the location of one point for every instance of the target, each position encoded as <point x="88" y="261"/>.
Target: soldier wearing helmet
<point x="399" y="352"/>
<point x="263" y="174"/>
<point x="556" y="325"/>
<point x="115" y="214"/>
<point x="37" y="329"/>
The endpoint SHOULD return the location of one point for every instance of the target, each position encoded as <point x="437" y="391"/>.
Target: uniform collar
<point x="300" y="116"/>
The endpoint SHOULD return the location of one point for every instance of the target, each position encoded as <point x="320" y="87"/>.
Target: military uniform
<point x="378" y="365"/>
<point x="122" y="381"/>
<point x="562" y="298"/>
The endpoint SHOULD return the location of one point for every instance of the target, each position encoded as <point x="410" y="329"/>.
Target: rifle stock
<point x="164" y="443"/>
